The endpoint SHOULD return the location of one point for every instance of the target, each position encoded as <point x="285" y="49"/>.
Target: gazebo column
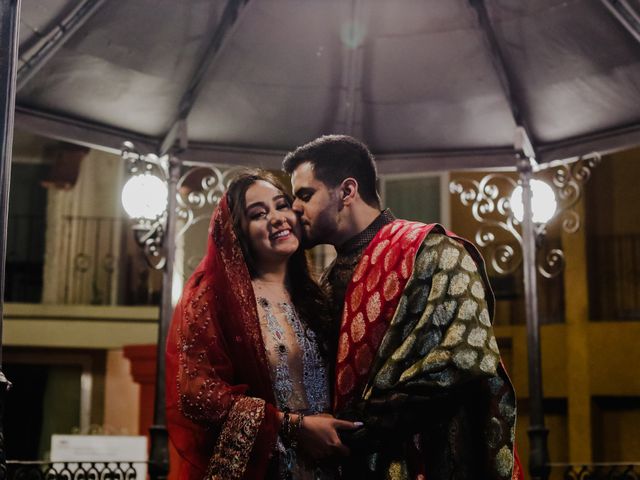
<point x="9" y="22"/>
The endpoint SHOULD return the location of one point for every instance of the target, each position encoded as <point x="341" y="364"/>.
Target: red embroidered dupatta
<point x="220" y="403"/>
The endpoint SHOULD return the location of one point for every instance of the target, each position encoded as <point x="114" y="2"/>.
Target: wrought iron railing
<point x="596" y="471"/>
<point x="90" y="263"/>
<point x="37" y="470"/>
<point x="120" y="470"/>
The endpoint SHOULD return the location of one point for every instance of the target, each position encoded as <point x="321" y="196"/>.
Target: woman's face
<point x="272" y="227"/>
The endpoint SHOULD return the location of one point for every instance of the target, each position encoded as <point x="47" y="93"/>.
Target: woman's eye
<point x="283" y="206"/>
<point x="257" y="215"/>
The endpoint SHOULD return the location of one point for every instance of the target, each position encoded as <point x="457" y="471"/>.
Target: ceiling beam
<point x="604" y="142"/>
<point x="178" y="130"/>
<point x="56" y="38"/>
<point x="80" y="132"/>
<point x="624" y="13"/>
<point x="110" y="139"/>
<point x="505" y="75"/>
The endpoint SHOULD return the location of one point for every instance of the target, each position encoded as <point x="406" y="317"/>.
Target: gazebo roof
<point x="430" y="84"/>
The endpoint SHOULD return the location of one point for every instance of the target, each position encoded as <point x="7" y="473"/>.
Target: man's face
<point x="317" y="206"/>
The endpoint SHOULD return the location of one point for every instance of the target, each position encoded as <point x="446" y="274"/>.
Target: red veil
<point x="220" y="403"/>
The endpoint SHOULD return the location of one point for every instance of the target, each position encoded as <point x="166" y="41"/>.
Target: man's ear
<point x="348" y="190"/>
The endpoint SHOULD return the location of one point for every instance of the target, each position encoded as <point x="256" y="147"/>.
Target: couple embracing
<point x="386" y="369"/>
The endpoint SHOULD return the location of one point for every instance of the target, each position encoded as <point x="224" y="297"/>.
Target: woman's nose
<point x="277" y="217"/>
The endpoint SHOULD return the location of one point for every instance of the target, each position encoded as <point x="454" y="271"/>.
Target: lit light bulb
<point x="543" y="202"/>
<point x="144" y="196"/>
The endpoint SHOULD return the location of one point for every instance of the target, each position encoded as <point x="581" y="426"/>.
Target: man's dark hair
<point x="336" y="157"/>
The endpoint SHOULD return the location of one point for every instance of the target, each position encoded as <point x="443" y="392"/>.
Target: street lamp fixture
<point x="145" y="196"/>
<point x="543" y="202"/>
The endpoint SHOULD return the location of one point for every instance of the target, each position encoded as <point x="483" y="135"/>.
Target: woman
<point x="246" y="381"/>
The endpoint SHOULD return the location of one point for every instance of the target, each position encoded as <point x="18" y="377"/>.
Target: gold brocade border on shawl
<point x="232" y="451"/>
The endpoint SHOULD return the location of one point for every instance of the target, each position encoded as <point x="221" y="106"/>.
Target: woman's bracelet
<point x="290" y="430"/>
<point x="294" y="434"/>
<point x="286" y="426"/>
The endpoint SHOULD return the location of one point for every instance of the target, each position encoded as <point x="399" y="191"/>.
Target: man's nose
<point x="297" y="206"/>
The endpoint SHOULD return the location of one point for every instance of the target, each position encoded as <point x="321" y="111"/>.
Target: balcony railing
<point x="596" y="471"/>
<point x="17" y="470"/>
<point x="91" y="249"/>
<point x="119" y="470"/>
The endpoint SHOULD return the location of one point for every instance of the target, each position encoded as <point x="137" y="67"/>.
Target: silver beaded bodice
<point x="310" y="393"/>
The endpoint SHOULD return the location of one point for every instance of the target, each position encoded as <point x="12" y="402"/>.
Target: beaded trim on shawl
<point x="231" y="454"/>
<point x="203" y="398"/>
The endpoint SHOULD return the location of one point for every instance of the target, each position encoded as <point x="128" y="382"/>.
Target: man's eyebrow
<point x="304" y="190"/>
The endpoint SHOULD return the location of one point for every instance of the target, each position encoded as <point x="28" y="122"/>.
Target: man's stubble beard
<point x="324" y="232"/>
<point x="326" y="225"/>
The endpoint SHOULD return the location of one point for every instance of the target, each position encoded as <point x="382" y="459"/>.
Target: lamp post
<point x="538" y="432"/>
<point x="149" y="197"/>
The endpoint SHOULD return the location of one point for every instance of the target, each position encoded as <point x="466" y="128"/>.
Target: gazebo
<point x="428" y="85"/>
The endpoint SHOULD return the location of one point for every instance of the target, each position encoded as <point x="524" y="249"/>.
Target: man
<point x="416" y="358"/>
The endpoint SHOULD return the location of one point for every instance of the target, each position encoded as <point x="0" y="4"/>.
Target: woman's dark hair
<point x="307" y="297"/>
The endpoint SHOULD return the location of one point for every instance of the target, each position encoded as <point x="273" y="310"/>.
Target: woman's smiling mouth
<point x="280" y="234"/>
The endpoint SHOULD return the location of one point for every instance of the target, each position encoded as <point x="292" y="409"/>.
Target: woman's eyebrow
<point x="255" y="204"/>
<point x="260" y="203"/>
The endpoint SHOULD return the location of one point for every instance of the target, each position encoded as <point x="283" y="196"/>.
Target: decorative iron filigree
<point x="490" y="207"/>
<point x="199" y="191"/>
<point x="569" y="180"/>
<point x="499" y="230"/>
<point x="36" y="470"/>
<point x="553" y="263"/>
<point x="149" y="234"/>
<point x="599" y="471"/>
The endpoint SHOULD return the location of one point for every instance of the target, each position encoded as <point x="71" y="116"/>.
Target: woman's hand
<point x="318" y="437"/>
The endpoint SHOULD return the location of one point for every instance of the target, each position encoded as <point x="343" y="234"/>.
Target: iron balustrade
<point x="134" y="470"/>
<point x="596" y="471"/>
<point x="90" y="263"/>
<point x="80" y="470"/>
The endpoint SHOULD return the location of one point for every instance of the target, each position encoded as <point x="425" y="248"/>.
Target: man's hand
<point x="318" y="438"/>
